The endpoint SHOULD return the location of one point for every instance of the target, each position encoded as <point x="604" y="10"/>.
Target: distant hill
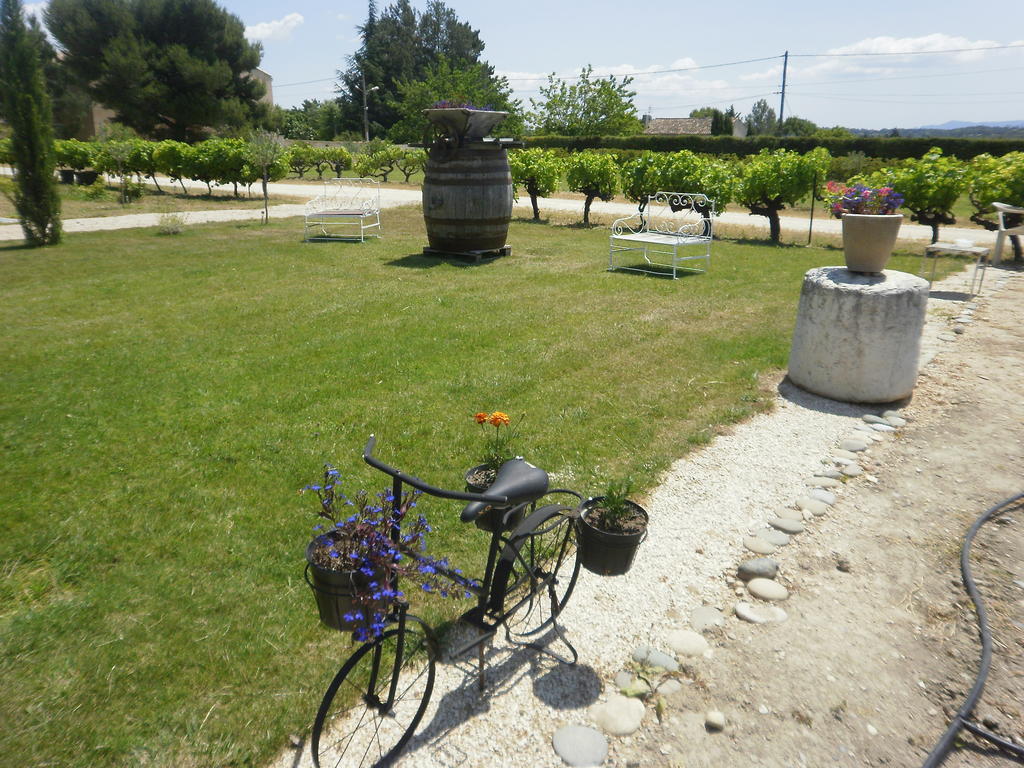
<point x="1010" y="129"/>
<point x="955" y="124"/>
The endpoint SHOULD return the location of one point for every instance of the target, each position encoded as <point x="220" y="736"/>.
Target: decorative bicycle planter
<point x="609" y="553"/>
<point x="334" y="592"/>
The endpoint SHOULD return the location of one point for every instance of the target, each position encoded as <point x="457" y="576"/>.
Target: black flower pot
<point x="488" y="521"/>
<point x="334" y="592"/>
<point x="603" y="552"/>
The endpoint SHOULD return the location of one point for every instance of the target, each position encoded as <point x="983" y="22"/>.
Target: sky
<point x="857" y="65"/>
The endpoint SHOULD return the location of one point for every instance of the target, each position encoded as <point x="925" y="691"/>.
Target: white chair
<point x="1004" y="211"/>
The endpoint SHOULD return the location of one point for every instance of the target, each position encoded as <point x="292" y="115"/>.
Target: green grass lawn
<point x="163" y="398"/>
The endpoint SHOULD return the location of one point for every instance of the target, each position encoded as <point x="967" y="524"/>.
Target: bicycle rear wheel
<point x="355" y="726"/>
<point x="539" y="569"/>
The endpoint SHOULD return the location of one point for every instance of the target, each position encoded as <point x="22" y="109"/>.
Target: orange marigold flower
<point x="480" y="418"/>
<point x="499" y="419"/>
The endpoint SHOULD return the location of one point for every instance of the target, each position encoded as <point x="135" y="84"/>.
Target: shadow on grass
<point x="429" y="261"/>
<point x="648" y="270"/>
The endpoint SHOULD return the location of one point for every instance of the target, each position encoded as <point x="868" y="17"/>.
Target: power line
<point x="305" y="82"/>
<point x="635" y="75"/>
<point x="904" y="77"/>
<point x="907" y="53"/>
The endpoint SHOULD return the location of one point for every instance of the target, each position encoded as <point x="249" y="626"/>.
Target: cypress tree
<point x="26" y="106"/>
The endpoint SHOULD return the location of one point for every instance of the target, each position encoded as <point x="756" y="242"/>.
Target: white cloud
<point x="281" y="29"/>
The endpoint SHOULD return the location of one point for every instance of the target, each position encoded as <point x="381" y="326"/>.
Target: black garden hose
<point x="945" y="744"/>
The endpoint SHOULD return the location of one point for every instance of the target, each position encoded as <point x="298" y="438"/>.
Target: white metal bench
<point x="346" y="210"/>
<point x="668" y="223"/>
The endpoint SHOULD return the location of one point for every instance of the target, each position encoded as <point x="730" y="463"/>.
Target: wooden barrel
<point x="467" y="198"/>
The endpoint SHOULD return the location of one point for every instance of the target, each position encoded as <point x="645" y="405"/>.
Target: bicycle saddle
<point x="519" y="480"/>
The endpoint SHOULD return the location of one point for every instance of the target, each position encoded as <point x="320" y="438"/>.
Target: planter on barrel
<point x="606" y="552"/>
<point x="467" y="185"/>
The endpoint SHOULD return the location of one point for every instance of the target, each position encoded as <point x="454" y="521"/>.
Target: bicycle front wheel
<point x="376" y="701"/>
<point x="539" y="568"/>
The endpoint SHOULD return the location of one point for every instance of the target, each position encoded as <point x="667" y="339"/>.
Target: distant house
<point x="677" y="126"/>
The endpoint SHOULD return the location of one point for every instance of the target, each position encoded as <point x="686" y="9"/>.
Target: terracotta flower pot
<point x="868" y="240"/>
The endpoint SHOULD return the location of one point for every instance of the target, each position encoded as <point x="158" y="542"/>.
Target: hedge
<point x="887" y="148"/>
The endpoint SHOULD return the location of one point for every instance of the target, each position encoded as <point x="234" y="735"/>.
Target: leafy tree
<point x="593" y="174"/>
<point x="997" y="180"/>
<point x="142" y="162"/>
<point x="714" y="177"/>
<point x="302" y="157"/>
<point x="172" y="158"/>
<point x="172" y="68"/>
<point x="113" y="157"/>
<point x="797" y="126"/>
<point x="538" y="171"/>
<point x="26" y="106"/>
<point x="74" y="154"/>
<point x="835" y="132"/>
<point x="228" y="159"/>
<point x="400" y="45"/>
<point x="587" y="107"/>
<point x="769" y="181"/>
<point x="930" y="186"/>
<point x="379" y="162"/>
<point x="721" y="122"/>
<point x="642" y="176"/>
<point x="69" y="99"/>
<point x="411" y="161"/>
<point x="762" y="119"/>
<point x="470" y="84"/>
<point x="269" y="158"/>
<point x="341" y="159"/>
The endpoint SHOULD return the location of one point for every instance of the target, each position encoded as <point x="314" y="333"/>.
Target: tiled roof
<point x="675" y="126"/>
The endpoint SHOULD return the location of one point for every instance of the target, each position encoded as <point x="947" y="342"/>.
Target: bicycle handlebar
<point x="415" y="482"/>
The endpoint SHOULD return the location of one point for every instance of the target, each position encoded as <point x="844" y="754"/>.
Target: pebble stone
<point x="946" y="337"/>
<point x="824" y="482"/>
<point x="668" y="687"/>
<point x="623" y="679"/>
<point x="876" y="437"/>
<point x="714" y="720"/>
<point x="705" y="616"/>
<point x="871" y="418"/>
<point x="758" y="568"/>
<point x="822" y="495"/>
<point x="883" y="428"/>
<point x="788" y="513"/>
<point x="787" y="525"/>
<point x="759" y="614"/>
<point x="686" y="642"/>
<point x="834" y="473"/>
<point x="894" y="414"/>
<point x="619" y="716"/>
<point x="862" y="427"/>
<point x="854" y="445"/>
<point x="652" y="657"/>
<point x="758" y="546"/>
<point x="959" y="329"/>
<point x="580" y="746"/>
<point x="843" y="454"/>
<point x="766" y="589"/>
<point x="853" y="470"/>
<point x="896" y="421"/>
<point x="842" y="461"/>
<point x="778" y="538"/>
<point x="816" y="507"/>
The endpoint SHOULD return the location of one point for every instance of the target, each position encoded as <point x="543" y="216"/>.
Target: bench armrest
<point x="632" y="224"/>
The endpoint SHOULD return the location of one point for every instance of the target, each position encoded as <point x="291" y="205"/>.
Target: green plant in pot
<point x="611" y="529"/>
<point x="360" y="548"/>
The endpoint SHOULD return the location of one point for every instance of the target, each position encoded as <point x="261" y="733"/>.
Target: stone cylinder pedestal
<point x="858" y="337"/>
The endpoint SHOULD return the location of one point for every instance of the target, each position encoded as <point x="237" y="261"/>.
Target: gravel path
<point x="391" y="198"/>
<point x="706" y="505"/>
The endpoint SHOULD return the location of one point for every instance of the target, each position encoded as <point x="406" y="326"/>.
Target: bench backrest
<point x="679" y="213"/>
<point x="352" y="194"/>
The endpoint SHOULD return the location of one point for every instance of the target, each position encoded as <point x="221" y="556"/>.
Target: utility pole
<point x="782" y="101"/>
<point x="366" y="109"/>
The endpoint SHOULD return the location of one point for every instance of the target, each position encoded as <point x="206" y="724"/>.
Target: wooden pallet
<point x="475" y="256"/>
